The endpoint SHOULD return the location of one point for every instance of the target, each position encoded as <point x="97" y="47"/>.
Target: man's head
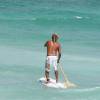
<point x="54" y="37"/>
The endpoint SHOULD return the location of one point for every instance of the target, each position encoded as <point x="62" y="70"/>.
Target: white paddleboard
<point x="52" y="83"/>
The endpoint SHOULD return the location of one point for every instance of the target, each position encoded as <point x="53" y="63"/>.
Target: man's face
<point x="54" y="38"/>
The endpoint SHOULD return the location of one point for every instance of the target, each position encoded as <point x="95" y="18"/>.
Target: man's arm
<point x="59" y="53"/>
<point x="45" y="44"/>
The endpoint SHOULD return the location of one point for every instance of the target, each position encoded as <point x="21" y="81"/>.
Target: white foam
<point x="78" y="17"/>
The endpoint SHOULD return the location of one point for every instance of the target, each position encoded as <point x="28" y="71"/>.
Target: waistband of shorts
<point x="52" y="56"/>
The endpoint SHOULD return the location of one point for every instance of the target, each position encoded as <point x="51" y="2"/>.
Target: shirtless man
<point x="53" y="56"/>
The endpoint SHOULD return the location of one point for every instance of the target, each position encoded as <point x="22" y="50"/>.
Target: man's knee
<point x="47" y="70"/>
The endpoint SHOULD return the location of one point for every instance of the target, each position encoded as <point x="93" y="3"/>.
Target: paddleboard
<point x="52" y="83"/>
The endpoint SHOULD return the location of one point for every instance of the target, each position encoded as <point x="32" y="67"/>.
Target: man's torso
<point x="52" y="48"/>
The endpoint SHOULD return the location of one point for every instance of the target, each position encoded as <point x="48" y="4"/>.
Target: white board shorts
<point x="52" y="60"/>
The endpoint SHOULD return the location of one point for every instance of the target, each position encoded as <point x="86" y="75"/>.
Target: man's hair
<point x="55" y="35"/>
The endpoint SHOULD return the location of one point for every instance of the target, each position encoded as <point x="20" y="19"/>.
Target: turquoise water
<point x="24" y="28"/>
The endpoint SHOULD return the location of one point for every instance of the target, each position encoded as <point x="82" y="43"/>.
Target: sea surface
<point x="25" y="25"/>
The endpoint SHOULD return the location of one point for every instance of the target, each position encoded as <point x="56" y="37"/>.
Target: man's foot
<point x="47" y="81"/>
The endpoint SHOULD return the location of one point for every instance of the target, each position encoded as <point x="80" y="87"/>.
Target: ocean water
<point x="25" y="25"/>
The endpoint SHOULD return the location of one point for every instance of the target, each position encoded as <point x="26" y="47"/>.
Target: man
<point x="53" y="56"/>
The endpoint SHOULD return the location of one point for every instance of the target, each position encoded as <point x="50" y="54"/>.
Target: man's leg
<point x="47" y="71"/>
<point x="47" y="75"/>
<point x="56" y="75"/>
<point x="55" y="68"/>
